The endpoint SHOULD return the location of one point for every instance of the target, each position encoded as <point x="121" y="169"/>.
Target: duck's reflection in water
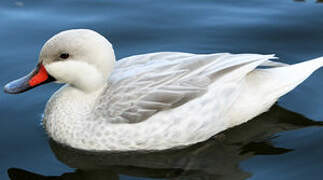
<point x="217" y="158"/>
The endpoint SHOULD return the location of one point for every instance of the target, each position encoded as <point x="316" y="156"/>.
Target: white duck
<point x="152" y="101"/>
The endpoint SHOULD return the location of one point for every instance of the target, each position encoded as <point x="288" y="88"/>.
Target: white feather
<point x="77" y="73"/>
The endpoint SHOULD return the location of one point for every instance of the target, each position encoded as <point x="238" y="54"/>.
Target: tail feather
<point x="278" y="81"/>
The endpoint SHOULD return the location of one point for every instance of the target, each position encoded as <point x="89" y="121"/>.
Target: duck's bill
<point x="37" y="77"/>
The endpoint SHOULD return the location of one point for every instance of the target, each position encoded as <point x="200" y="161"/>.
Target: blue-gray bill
<point x="37" y="77"/>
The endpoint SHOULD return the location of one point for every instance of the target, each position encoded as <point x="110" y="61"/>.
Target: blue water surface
<point x="293" y="30"/>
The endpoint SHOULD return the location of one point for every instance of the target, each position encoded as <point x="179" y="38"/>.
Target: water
<point x="277" y="145"/>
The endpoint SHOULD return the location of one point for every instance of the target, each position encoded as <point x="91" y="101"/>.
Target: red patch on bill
<point x="40" y="77"/>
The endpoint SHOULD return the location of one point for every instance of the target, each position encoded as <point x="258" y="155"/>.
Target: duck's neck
<point x="66" y="114"/>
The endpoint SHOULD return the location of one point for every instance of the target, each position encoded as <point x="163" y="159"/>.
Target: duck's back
<point x="144" y="85"/>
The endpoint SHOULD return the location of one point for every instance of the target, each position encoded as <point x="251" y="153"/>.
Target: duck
<point x="153" y="101"/>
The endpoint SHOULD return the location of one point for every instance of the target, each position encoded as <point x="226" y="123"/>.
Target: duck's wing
<point x="145" y="84"/>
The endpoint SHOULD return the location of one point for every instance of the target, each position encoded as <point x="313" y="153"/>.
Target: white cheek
<point x="77" y="73"/>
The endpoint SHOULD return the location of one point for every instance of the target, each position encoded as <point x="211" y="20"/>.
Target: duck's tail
<point x="280" y="80"/>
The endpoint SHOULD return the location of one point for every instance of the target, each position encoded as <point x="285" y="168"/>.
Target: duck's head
<point x="81" y="58"/>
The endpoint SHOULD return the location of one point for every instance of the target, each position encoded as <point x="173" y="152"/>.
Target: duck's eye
<point x="64" y="55"/>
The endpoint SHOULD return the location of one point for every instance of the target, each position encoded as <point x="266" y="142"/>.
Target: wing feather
<point x="145" y="84"/>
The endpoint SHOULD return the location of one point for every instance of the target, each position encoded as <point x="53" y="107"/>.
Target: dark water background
<point x="292" y="30"/>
